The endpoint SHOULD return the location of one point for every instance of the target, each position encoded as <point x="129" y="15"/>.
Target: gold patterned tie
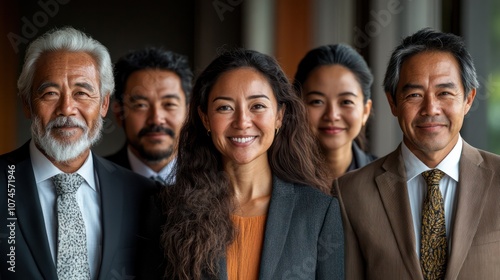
<point x="434" y="245"/>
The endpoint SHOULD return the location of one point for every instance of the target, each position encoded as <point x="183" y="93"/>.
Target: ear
<point x="105" y="105"/>
<point x="367" y="108"/>
<point x="469" y="100"/>
<point x="204" y="119"/>
<point x="391" y="104"/>
<point x="279" y="117"/>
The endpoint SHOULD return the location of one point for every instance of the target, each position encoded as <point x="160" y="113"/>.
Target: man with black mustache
<point x="153" y="86"/>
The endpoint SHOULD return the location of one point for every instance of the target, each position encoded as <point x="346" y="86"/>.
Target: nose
<point x="242" y="119"/>
<point x="331" y="112"/>
<point x="66" y="105"/>
<point x="430" y="105"/>
<point x="157" y="115"/>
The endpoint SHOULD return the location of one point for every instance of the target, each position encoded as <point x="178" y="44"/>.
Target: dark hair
<point x="345" y="56"/>
<point x="428" y="39"/>
<point x="335" y="54"/>
<point x="152" y="58"/>
<point x="198" y="228"/>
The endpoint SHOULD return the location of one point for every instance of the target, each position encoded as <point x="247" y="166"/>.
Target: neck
<point x="156" y="166"/>
<point x="338" y="160"/>
<point x="251" y="193"/>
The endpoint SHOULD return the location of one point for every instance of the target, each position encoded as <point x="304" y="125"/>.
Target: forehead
<point x="64" y="65"/>
<point x="154" y="80"/>
<point x="336" y="77"/>
<point x="430" y="67"/>
<point x="242" y="81"/>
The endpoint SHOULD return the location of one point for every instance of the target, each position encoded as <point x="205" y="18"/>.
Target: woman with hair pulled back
<point x="335" y="81"/>
<point x="249" y="200"/>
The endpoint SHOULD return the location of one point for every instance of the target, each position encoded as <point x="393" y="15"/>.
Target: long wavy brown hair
<point x="197" y="207"/>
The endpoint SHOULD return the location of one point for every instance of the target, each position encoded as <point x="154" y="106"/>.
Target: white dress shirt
<point x="417" y="187"/>
<point x="88" y="199"/>
<point x="140" y="168"/>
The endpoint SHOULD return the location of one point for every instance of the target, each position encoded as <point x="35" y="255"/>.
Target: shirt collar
<point x="139" y="167"/>
<point x="449" y="165"/>
<point x="44" y="169"/>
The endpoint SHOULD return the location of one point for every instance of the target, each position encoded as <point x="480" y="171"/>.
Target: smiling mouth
<point x="242" y="139"/>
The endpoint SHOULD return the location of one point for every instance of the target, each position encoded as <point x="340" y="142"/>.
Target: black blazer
<point x="303" y="238"/>
<point x="120" y="157"/>
<point x="121" y="194"/>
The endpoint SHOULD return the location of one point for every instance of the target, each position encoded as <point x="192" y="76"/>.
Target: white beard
<point x="65" y="151"/>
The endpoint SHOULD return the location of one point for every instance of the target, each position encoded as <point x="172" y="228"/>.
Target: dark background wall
<point x="189" y="27"/>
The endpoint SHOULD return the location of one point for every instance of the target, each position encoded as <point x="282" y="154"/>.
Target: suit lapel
<point x="111" y="204"/>
<point x="30" y="218"/>
<point x="277" y="225"/>
<point x="471" y="193"/>
<point x="394" y="195"/>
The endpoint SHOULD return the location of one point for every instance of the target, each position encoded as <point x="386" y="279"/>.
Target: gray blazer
<point x="303" y="238"/>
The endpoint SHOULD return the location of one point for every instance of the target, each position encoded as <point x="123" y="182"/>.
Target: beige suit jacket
<point x="379" y="236"/>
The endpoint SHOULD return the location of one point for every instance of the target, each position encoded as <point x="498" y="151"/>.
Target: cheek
<point x="314" y="115"/>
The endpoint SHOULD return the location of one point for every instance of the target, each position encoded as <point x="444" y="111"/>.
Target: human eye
<point x="259" y="106"/>
<point x="412" y="95"/>
<point x="347" y="102"/>
<point x="315" y="102"/>
<point x="49" y="95"/>
<point x="223" y="108"/>
<point x="170" y="105"/>
<point x="139" y="106"/>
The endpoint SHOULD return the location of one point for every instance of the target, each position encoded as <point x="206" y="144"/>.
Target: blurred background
<point x="286" y="29"/>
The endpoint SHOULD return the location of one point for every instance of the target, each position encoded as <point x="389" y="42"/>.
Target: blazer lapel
<point x="30" y="219"/>
<point x="111" y="204"/>
<point x="394" y="195"/>
<point x="277" y="225"/>
<point x="471" y="193"/>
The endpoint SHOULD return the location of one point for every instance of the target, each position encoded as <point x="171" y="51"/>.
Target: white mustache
<point x="66" y="122"/>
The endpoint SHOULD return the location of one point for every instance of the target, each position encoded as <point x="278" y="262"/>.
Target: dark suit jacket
<point x="121" y="193"/>
<point x="380" y="241"/>
<point x="303" y="238"/>
<point x="120" y="157"/>
<point x="360" y="157"/>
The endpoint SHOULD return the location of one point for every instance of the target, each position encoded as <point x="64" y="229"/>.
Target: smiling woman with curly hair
<point x="249" y="196"/>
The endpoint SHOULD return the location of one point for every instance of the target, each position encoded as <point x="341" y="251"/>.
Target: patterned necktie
<point x="434" y="245"/>
<point x="72" y="259"/>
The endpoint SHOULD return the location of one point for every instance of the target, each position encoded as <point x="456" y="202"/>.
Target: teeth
<point x="242" y="140"/>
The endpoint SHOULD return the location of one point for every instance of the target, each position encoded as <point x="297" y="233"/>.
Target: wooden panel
<point x="9" y="69"/>
<point x="293" y="32"/>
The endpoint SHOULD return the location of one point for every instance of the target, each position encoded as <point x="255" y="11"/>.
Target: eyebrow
<point x="340" y="94"/>
<point x="257" y="96"/>
<point x="137" y="97"/>
<point x="45" y="85"/>
<point x="415" y="86"/>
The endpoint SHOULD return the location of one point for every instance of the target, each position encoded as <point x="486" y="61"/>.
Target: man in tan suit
<point x="430" y="84"/>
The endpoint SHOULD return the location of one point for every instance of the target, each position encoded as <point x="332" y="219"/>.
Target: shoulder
<point x="361" y="157"/>
<point x="304" y="197"/>
<point x="20" y="154"/>
<point x="122" y="176"/>
<point x="120" y="157"/>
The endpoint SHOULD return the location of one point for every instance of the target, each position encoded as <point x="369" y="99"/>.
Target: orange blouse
<point x="243" y="255"/>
